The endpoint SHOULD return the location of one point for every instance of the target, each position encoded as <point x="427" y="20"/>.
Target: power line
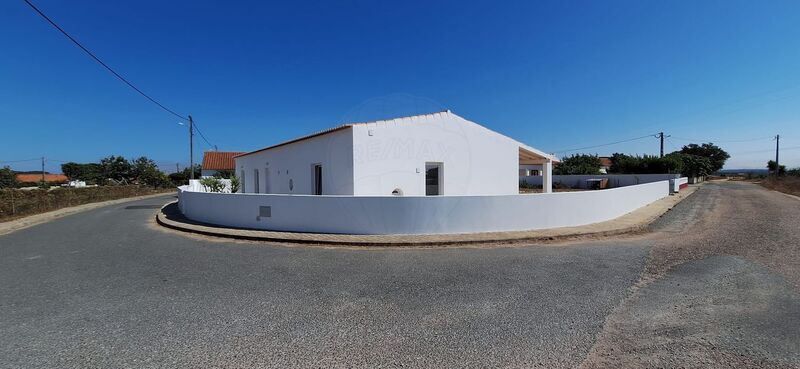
<point x="194" y="125"/>
<point x="121" y="78"/>
<point x="19" y="161"/>
<point x="724" y="141"/>
<point x="607" y="144"/>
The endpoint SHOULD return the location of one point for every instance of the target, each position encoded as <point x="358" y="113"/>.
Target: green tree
<point x="235" y="183"/>
<point x="771" y="166"/>
<point x="646" y="164"/>
<point x="578" y="164"/>
<point x="716" y="155"/>
<point x="145" y="171"/>
<point x="8" y="179"/>
<point x="693" y="165"/>
<point x="89" y="172"/>
<point x="116" y="168"/>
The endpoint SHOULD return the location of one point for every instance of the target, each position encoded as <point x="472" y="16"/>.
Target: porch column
<point x="547" y="176"/>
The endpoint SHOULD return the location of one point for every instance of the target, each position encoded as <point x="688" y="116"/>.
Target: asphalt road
<point x="106" y="288"/>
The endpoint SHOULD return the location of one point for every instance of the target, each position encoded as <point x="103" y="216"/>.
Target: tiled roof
<point x="219" y="160"/>
<point x="605" y="161"/>
<point x="348" y="125"/>
<point x="49" y="178"/>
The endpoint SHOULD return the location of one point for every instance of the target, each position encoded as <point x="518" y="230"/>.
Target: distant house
<point x="215" y="162"/>
<point x="605" y="164"/>
<point x="52" y="179"/>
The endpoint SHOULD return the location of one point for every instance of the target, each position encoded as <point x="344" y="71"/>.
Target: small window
<point x="317" y="179"/>
<point x="256" y="186"/>
<point x="243" y="180"/>
<point x="397" y="192"/>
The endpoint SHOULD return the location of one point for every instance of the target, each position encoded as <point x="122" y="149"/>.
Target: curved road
<point x="715" y="284"/>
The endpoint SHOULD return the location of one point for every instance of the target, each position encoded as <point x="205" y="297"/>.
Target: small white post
<point x="547" y="176"/>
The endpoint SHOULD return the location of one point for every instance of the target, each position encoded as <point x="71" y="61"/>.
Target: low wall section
<point x="614" y="180"/>
<point x="416" y="215"/>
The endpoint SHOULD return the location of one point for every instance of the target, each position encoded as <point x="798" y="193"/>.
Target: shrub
<point x="212" y="184"/>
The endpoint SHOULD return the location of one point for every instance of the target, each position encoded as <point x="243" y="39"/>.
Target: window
<point x="317" y="179"/>
<point x="255" y="181"/>
<point x="242" y="190"/>
<point x="433" y="179"/>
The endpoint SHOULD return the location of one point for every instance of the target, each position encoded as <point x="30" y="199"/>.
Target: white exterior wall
<point x="418" y="214"/>
<point x="614" y="180"/>
<point x="295" y="162"/>
<point x="476" y="161"/>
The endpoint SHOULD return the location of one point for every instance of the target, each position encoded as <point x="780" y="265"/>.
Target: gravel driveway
<point x="106" y="289"/>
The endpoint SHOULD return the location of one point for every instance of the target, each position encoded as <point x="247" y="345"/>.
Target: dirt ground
<point x="725" y="295"/>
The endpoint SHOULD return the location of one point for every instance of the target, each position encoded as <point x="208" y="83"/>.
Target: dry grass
<point x="16" y="203"/>
<point x="790" y="185"/>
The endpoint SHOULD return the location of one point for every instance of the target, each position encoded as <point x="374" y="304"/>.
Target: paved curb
<point x="637" y="221"/>
<point x="36" y="219"/>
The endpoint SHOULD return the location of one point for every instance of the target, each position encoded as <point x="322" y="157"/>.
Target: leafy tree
<point x="693" y="165"/>
<point x="116" y="168"/>
<point x="714" y="153"/>
<point x="235" y="183"/>
<point x="89" y="172"/>
<point x="7" y="178"/>
<point x="181" y="178"/>
<point x="771" y="166"/>
<point x="578" y="164"/>
<point x="212" y="184"/>
<point x="145" y="171"/>
<point x="646" y="164"/>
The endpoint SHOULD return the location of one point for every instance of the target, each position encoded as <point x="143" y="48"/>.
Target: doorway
<point x="433" y="179"/>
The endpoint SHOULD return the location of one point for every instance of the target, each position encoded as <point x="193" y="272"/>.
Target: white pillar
<point x="547" y="177"/>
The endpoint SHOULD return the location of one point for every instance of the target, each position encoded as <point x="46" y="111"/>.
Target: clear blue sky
<point x="555" y="75"/>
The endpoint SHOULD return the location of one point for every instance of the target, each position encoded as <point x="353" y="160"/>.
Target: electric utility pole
<point x="177" y="168"/>
<point x="42" y="169"/>
<point x="777" y="163"/>
<point x="191" y="148"/>
<point x="661" y="136"/>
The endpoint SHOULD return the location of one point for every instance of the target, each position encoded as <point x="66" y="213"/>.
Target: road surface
<point x="716" y="283"/>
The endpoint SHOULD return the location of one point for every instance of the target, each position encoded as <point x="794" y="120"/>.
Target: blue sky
<point x="556" y="75"/>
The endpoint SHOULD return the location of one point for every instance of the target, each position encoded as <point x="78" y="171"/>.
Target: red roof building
<point x="49" y="178"/>
<point x="215" y="161"/>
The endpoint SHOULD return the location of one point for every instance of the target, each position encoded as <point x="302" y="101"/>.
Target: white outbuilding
<point x="423" y="155"/>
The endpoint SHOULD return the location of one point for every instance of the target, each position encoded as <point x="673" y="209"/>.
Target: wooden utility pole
<point x="177" y="168"/>
<point x="42" y="169"/>
<point x="191" y="148"/>
<point x="777" y="162"/>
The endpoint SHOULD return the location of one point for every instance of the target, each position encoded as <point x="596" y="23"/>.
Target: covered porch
<point x="530" y="156"/>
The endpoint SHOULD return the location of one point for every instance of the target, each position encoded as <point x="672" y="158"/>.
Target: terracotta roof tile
<point x="49" y="178"/>
<point x="219" y="160"/>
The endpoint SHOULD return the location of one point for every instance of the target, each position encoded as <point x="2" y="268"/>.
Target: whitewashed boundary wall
<point x="416" y="215"/>
<point x="614" y="180"/>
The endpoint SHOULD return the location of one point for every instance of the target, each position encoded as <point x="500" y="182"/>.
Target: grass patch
<point x="790" y="185"/>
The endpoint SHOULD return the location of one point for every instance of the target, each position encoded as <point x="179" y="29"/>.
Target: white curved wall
<point x="417" y="215"/>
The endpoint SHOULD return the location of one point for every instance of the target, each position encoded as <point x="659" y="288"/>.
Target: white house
<point x="431" y="154"/>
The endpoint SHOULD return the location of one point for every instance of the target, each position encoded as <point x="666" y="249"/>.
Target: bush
<point x="212" y="184"/>
<point x="7" y="178"/>
<point x="15" y="202"/>
<point x="578" y="164"/>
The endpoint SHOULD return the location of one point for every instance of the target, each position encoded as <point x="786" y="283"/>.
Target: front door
<point x="433" y="179"/>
